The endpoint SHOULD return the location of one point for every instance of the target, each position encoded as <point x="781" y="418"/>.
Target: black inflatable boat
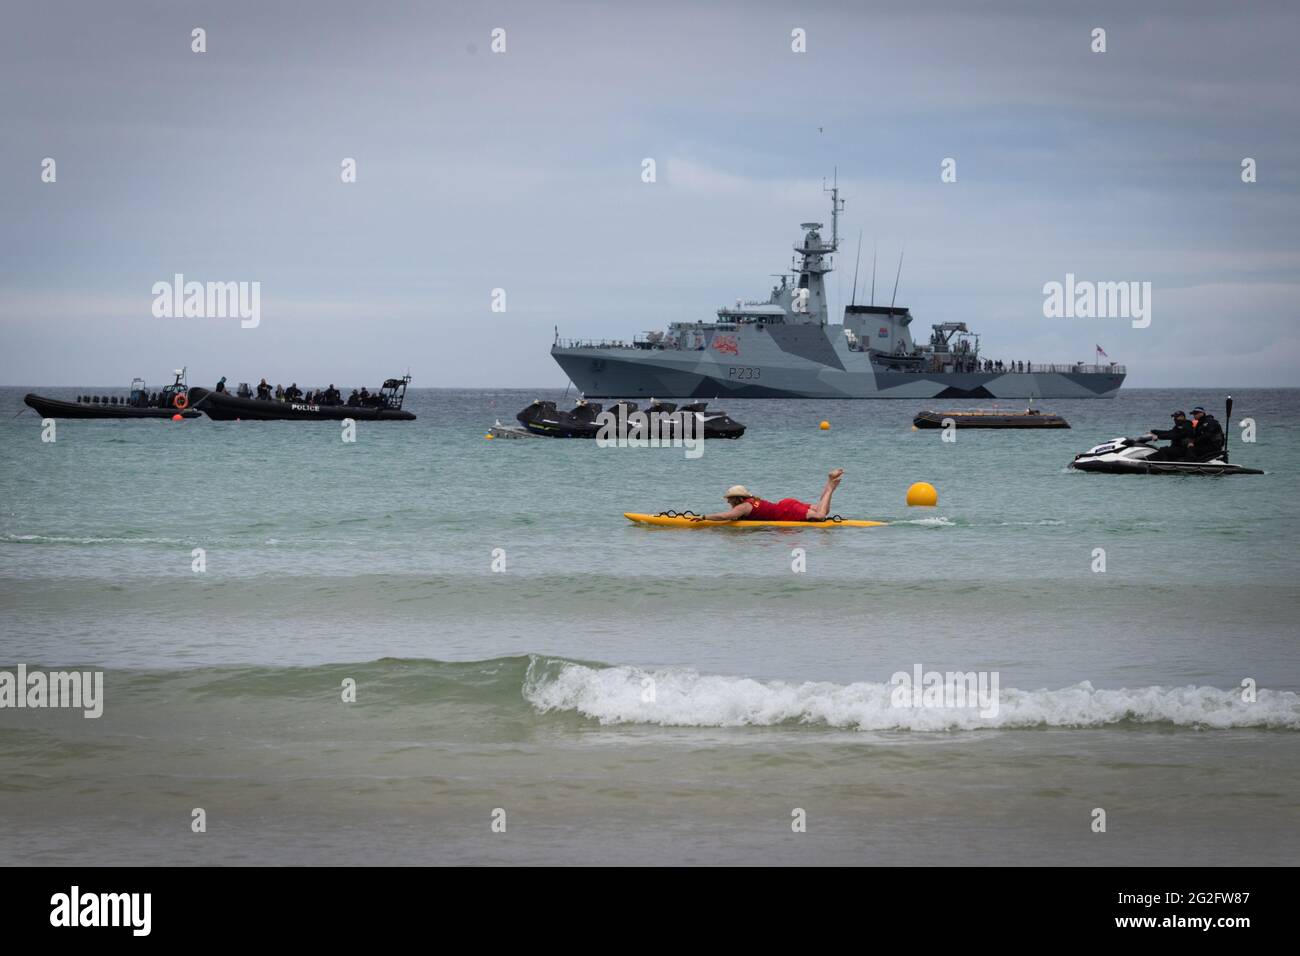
<point x="225" y="407"/>
<point x="167" y="402"/>
<point x="92" y="407"/>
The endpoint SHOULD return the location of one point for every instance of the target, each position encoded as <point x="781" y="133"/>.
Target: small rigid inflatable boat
<point x="225" y="407"/>
<point x="168" y="402"/>
<point x="93" y="407"/>
<point x="986" y="418"/>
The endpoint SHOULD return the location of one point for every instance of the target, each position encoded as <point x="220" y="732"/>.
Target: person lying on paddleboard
<point x="746" y="507"/>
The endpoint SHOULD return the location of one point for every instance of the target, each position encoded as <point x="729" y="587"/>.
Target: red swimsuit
<point x="787" y="509"/>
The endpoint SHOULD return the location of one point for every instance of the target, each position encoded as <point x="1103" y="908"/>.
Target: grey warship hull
<point x="773" y="370"/>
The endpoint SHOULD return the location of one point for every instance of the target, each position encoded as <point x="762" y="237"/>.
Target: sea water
<point x="427" y="647"/>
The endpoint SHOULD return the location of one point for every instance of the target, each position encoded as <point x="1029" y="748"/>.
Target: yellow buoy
<point x="489" y="436"/>
<point x="922" y="495"/>
<point x="825" y="426"/>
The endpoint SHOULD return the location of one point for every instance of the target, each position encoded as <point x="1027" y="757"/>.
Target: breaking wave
<point x="685" y="698"/>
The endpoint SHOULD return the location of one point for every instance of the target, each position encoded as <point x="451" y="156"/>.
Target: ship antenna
<point x="896" y="277"/>
<point x="873" y="272"/>
<point x="1227" y="430"/>
<point x="857" y="263"/>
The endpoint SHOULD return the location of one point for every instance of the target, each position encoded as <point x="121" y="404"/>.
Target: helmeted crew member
<point x="264" y="390"/>
<point x="221" y="385"/>
<point x="746" y="506"/>
<point x="1179" y="438"/>
<point x="1207" y="440"/>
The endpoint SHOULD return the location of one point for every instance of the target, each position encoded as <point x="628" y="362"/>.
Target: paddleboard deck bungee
<point x="684" y="521"/>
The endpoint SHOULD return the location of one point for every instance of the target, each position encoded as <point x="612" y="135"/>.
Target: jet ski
<point x="1134" y="456"/>
<point x="543" y="418"/>
<point x="1138" y="457"/>
<point x="584" y="421"/>
<point x="717" y="424"/>
<point x="1131" y="456"/>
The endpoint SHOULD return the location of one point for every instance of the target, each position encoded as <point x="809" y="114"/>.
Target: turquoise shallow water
<point x="374" y="560"/>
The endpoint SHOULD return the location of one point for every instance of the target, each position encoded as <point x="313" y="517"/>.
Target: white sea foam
<point x="684" y="698"/>
<point x="65" y="539"/>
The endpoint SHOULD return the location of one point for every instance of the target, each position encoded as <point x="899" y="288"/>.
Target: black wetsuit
<point x="1208" y="439"/>
<point x="1179" y="438"/>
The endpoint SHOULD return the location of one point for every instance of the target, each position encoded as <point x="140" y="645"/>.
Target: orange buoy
<point x="177" y="417"/>
<point x="922" y="494"/>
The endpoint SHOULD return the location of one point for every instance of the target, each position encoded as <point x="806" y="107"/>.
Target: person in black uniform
<point x="1207" y="440"/>
<point x="1180" y="439"/>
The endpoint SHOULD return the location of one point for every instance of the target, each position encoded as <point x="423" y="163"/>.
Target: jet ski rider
<point x="1207" y="441"/>
<point x="1180" y="439"/>
<point x="747" y="507"/>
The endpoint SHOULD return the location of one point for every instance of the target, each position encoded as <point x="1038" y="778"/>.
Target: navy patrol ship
<point x="786" y="348"/>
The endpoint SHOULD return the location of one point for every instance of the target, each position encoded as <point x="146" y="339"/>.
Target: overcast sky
<point x="522" y="171"/>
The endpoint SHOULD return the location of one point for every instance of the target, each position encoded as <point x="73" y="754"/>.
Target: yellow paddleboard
<point x="666" y="522"/>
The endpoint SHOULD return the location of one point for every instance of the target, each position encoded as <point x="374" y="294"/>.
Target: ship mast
<point x="837" y="207"/>
<point x="807" y="301"/>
